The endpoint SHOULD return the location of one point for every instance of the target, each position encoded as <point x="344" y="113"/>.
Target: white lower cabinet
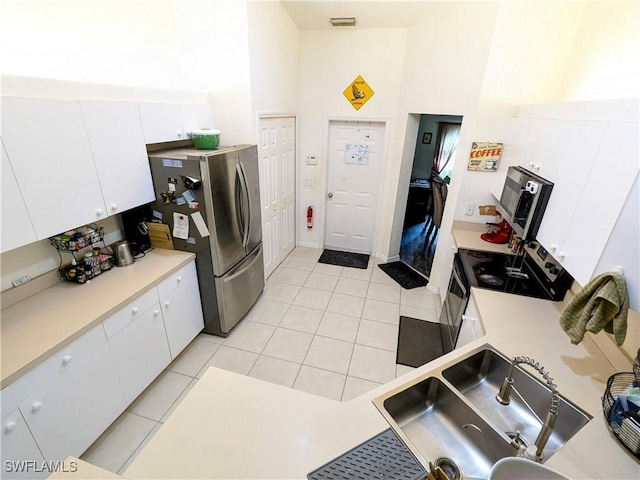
<point x="69" y="414"/>
<point x="19" y="449"/>
<point x="471" y="328"/>
<point x="140" y="352"/>
<point x="181" y="308"/>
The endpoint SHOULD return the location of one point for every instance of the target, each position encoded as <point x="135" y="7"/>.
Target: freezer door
<point x="239" y="289"/>
<point x="248" y="163"/>
<point x="227" y="232"/>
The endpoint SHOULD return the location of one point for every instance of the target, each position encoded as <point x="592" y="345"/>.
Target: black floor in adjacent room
<point x="415" y="249"/>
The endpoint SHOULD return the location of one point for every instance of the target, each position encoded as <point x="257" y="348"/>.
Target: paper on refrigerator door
<point x="180" y="225"/>
<point x="200" y="225"/>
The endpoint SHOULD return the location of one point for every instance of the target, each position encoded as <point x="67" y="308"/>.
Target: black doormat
<point x="344" y="259"/>
<point x="419" y="342"/>
<point x="403" y="275"/>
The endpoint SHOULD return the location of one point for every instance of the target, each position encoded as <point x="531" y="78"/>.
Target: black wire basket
<point x="620" y="423"/>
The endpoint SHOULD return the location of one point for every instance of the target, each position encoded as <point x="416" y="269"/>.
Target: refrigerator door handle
<point x="243" y="215"/>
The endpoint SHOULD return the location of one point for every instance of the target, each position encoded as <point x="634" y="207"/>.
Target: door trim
<point x="386" y="122"/>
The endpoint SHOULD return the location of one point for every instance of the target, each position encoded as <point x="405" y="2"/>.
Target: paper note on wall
<point x="357" y="154"/>
<point x="180" y="225"/>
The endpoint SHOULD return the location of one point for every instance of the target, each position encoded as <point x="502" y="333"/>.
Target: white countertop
<point x="42" y="324"/>
<point x="232" y="426"/>
<point x="467" y="235"/>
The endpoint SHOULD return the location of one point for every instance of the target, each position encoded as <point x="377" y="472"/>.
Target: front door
<point x="277" y="153"/>
<point x="355" y="168"/>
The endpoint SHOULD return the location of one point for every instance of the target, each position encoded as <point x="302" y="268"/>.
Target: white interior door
<point x="355" y="167"/>
<point x="277" y="154"/>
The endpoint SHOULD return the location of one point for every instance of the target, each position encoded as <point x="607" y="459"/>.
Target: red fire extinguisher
<point x="310" y="217"/>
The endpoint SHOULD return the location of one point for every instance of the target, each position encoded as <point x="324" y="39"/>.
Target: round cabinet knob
<point x="179" y="279"/>
<point x="553" y="247"/>
<point x="134" y="310"/>
<point x="114" y="207"/>
<point x="179" y="134"/>
<point x="561" y="255"/>
<point x="36" y="406"/>
<point x="10" y="426"/>
<point x="66" y="359"/>
<point x="330" y="194"/>
<point x="99" y="212"/>
<point x="167" y="304"/>
<point x="156" y="313"/>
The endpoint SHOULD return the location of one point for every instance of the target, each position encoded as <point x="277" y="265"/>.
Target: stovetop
<point x="516" y="274"/>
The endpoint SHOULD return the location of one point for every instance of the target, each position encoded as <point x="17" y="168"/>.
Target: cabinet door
<point x="19" y="446"/>
<point x="161" y="122"/>
<point x="72" y="412"/>
<point x="17" y="229"/>
<point x="567" y="164"/>
<point x="50" y="154"/>
<point x="196" y="116"/>
<point x="140" y="352"/>
<point x="117" y="142"/>
<point x="182" y="314"/>
<point x="602" y="200"/>
<point x="470" y="329"/>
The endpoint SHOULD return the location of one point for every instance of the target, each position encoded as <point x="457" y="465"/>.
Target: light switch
<point x="308" y="182"/>
<point x="311" y="160"/>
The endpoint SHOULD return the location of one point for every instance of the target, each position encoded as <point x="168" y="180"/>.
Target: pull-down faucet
<point x="549" y="423"/>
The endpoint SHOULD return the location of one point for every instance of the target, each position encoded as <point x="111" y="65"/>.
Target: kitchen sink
<point x="479" y="378"/>
<point x="432" y="417"/>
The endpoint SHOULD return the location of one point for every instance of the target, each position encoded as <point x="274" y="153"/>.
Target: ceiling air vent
<point x="343" y="21"/>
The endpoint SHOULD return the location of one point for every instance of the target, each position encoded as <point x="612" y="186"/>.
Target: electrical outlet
<point x="21" y="281"/>
<point x="468" y="209"/>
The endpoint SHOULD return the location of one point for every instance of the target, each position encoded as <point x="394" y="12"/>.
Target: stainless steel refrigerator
<point x="211" y="202"/>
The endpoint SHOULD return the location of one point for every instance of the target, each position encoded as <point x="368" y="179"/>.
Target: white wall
<point x="605" y="59"/>
<point x="329" y="61"/>
<point x="191" y="45"/>
<point x="443" y="70"/>
<point x="274" y="58"/>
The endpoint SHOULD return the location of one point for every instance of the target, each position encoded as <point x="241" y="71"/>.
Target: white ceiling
<point x="315" y="14"/>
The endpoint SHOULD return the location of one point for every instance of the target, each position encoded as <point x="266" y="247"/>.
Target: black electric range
<point x="533" y="273"/>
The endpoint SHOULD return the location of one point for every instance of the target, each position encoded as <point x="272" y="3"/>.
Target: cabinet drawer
<point x="128" y="314"/>
<point x="45" y="373"/>
<point x="174" y="280"/>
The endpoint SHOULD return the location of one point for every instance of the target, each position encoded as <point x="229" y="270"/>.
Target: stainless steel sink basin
<point x="479" y="378"/>
<point x="431" y="416"/>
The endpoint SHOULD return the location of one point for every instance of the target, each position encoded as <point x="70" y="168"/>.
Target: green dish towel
<point x="602" y="304"/>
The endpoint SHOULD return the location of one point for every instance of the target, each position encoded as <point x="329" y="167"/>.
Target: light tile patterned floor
<point x="326" y="330"/>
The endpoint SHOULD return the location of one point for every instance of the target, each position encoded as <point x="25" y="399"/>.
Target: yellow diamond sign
<point x="358" y="93"/>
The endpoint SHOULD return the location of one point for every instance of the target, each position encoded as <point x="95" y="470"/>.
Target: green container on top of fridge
<point x="206" y="138"/>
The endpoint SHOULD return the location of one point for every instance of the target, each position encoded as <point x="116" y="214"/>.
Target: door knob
<point x="330" y="195"/>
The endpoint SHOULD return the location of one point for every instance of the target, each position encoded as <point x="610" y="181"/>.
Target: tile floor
<point x="326" y="330"/>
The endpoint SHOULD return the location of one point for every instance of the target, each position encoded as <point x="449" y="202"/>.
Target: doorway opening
<point x="433" y="162"/>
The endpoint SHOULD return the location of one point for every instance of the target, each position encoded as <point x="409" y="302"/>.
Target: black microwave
<point x="524" y="199"/>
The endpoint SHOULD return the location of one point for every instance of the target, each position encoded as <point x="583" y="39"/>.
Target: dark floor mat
<point x="419" y="342"/>
<point x="344" y="259"/>
<point x="403" y="275"/>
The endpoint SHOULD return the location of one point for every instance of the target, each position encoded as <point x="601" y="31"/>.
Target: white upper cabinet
<point x="50" y="155"/>
<point x="165" y="122"/>
<point x="17" y="229"/>
<point x="604" y="195"/>
<point x="566" y="150"/>
<point x="196" y="116"/>
<point x="117" y="142"/>
<point x="161" y="122"/>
